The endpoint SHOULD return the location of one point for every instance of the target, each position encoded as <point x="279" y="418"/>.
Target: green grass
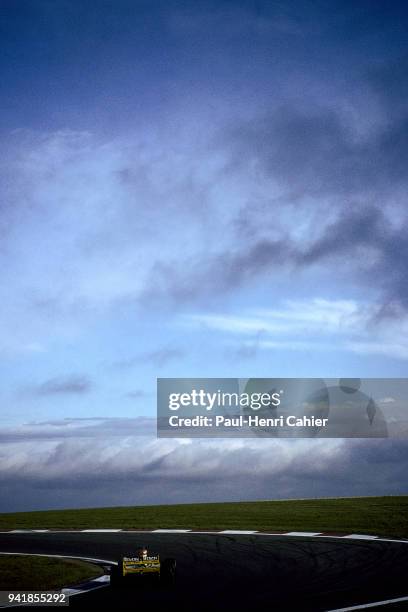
<point x="28" y="573"/>
<point x="373" y="515"/>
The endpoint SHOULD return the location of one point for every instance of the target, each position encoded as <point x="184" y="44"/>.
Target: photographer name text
<point x="247" y="421"/>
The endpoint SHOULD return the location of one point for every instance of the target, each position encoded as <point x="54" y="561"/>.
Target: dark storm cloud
<point x="356" y="227"/>
<point x="361" y="236"/>
<point x="68" y="385"/>
<point x="369" y="228"/>
<point x="355" y="177"/>
<point x="201" y="279"/>
<point x="257" y="260"/>
<point x="317" y="154"/>
<point x="311" y="151"/>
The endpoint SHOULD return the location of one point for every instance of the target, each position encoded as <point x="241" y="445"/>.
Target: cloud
<point x="66" y="385"/>
<point x="190" y="218"/>
<point x="158" y="357"/>
<point x="294" y="317"/>
<point x="339" y="146"/>
<point x="395" y="349"/>
<point x="320" y="324"/>
<point x="125" y="207"/>
<point x="381" y="249"/>
<point x="135" y="394"/>
<point x="342" y="185"/>
<point x="162" y="356"/>
<point x="150" y="231"/>
<point x="91" y="428"/>
<point x="363" y="237"/>
<point x="116" y="462"/>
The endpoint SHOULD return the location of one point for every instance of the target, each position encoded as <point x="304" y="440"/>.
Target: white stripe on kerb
<point x="100" y="530"/>
<point x="69" y="592"/>
<point x="302" y="533"/>
<point x="356" y="536"/>
<point x="104" y="578"/>
<point x="90" y="559"/>
<point x="91" y="586"/>
<point x="170" y="531"/>
<point x="374" y="604"/>
<point x="236" y="532"/>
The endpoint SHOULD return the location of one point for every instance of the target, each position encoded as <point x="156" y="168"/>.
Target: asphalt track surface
<point x="238" y="572"/>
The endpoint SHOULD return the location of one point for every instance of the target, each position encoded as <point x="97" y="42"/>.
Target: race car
<point x="143" y="565"/>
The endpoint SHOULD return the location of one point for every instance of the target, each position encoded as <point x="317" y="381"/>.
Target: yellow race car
<point x="142" y="564"/>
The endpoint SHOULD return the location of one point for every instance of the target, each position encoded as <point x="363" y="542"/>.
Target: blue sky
<point x="194" y="189"/>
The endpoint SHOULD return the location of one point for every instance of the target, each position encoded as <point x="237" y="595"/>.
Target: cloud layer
<point x="119" y="461"/>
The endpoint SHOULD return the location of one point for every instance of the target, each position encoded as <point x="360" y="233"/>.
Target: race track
<point x="238" y="571"/>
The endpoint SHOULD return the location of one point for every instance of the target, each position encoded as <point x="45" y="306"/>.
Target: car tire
<point x="168" y="572"/>
<point x="116" y="577"/>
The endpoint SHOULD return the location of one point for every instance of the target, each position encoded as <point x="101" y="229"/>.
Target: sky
<point x="195" y="189"/>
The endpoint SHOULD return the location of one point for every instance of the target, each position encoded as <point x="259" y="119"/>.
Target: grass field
<point x="371" y="515"/>
<point x="26" y="573"/>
